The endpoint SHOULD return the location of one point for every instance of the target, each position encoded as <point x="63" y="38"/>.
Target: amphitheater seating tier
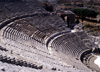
<point x="14" y="8"/>
<point x="82" y="35"/>
<point x="69" y="44"/>
<point x="24" y="28"/>
<point x="37" y="27"/>
<point x="32" y="54"/>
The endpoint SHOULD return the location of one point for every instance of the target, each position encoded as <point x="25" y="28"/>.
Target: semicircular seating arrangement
<point x="38" y="27"/>
<point x="27" y="30"/>
<point x="69" y="44"/>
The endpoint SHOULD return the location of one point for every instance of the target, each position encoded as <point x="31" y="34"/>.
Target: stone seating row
<point x="47" y="20"/>
<point x="30" y="46"/>
<point x="27" y="44"/>
<point x="3" y="49"/>
<point x="5" y="57"/>
<point x="37" y="35"/>
<point x="89" y="43"/>
<point x="29" y="31"/>
<point x="6" y="13"/>
<point x="2" y="17"/>
<point x="32" y="52"/>
<point x="23" y="48"/>
<point x="70" y="44"/>
<point x="43" y="59"/>
<point x="82" y="35"/>
<point x="13" y="34"/>
<point x="23" y="6"/>
<point x="15" y="68"/>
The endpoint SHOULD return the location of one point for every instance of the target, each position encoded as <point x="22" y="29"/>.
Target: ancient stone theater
<point x="35" y="37"/>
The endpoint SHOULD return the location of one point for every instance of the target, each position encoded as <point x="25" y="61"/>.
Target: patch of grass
<point x="91" y="28"/>
<point x="88" y="26"/>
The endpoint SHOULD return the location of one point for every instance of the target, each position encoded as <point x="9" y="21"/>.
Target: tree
<point x="82" y="13"/>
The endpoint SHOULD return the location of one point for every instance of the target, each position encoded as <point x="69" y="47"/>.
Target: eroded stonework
<point x="35" y="40"/>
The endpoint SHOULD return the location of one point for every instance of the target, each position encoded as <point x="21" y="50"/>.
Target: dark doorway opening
<point x="65" y="18"/>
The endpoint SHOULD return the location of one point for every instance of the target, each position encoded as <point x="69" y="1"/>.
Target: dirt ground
<point x="87" y="22"/>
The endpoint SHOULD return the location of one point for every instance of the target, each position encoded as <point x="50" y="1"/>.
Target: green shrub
<point x="82" y="13"/>
<point x="87" y="25"/>
<point x="90" y="30"/>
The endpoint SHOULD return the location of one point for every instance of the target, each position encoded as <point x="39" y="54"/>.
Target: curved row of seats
<point x="37" y="36"/>
<point x="86" y="59"/>
<point x="19" y="46"/>
<point x="7" y="67"/>
<point x="12" y="60"/>
<point x="6" y="19"/>
<point x="20" y="38"/>
<point x="30" y="50"/>
<point x="14" y="34"/>
<point x="46" y="23"/>
<point x="23" y="6"/>
<point x="41" y="28"/>
<point x="10" y="36"/>
<point x="69" y="44"/>
<point x="9" y="10"/>
<point x="3" y="49"/>
<point x="35" y="56"/>
<point x="82" y="35"/>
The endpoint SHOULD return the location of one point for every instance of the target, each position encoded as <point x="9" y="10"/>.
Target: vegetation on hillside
<point x="83" y="13"/>
<point x="72" y="4"/>
<point x="92" y="29"/>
